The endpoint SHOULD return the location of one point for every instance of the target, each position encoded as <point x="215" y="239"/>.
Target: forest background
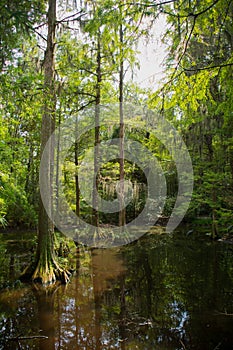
<point x="94" y="45"/>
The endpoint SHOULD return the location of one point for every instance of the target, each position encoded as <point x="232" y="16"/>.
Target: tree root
<point x="46" y="274"/>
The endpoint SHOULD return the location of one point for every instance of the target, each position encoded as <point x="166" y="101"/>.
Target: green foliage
<point x="17" y="19"/>
<point x="169" y="205"/>
<point x="14" y="206"/>
<point x="198" y="100"/>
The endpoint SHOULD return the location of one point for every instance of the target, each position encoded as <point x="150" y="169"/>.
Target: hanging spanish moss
<point x="135" y="193"/>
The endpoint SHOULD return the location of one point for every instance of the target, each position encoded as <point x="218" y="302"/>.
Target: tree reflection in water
<point x="162" y="292"/>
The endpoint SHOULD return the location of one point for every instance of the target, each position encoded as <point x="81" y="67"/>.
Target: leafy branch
<point x="191" y="14"/>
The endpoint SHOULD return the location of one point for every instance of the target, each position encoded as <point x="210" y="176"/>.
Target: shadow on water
<point x="162" y="292"/>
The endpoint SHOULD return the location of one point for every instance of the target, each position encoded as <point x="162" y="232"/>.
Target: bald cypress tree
<point x="46" y="269"/>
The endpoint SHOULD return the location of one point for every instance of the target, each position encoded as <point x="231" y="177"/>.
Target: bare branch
<point x="82" y="107"/>
<point x="186" y="43"/>
<point x="73" y="17"/>
<point x="39" y="26"/>
<point x="153" y="4"/>
<point x="183" y="54"/>
<point x="196" y="69"/>
<point x="40" y="35"/>
<point x="87" y="70"/>
<point x="86" y="105"/>
<point x="79" y="92"/>
<point x="205" y="10"/>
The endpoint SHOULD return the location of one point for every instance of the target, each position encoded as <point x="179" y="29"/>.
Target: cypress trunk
<point x="46" y="269"/>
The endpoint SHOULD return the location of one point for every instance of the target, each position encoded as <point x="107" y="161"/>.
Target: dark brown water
<point x="163" y="292"/>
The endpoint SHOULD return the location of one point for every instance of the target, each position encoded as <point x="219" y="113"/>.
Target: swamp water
<point x="161" y="292"/>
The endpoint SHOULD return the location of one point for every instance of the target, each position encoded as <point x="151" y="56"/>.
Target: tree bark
<point x="95" y="214"/>
<point x="76" y="162"/>
<point x="122" y="219"/>
<point x="46" y="269"/>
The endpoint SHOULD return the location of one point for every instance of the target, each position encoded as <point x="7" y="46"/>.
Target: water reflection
<point x="159" y="293"/>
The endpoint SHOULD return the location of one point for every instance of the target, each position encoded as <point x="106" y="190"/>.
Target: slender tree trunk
<point x="231" y="163"/>
<point x="214" y="214"/>
<point x="76" y="162"/>
<point x="95" y="214"/>
<point x="29" y="170"/>
<point x="122" y="219"/>
<point x="58" y="162"/>
<point x="209" y="143"/>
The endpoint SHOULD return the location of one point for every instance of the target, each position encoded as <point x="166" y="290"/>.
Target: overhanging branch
<point x="191" y="14"/>
<point x="196" y="69"/>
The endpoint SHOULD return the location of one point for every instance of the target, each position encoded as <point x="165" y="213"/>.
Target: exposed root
<point x="46" y="270"/>
<point x="46" y="273"/>
<point x="51" y="274"/>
